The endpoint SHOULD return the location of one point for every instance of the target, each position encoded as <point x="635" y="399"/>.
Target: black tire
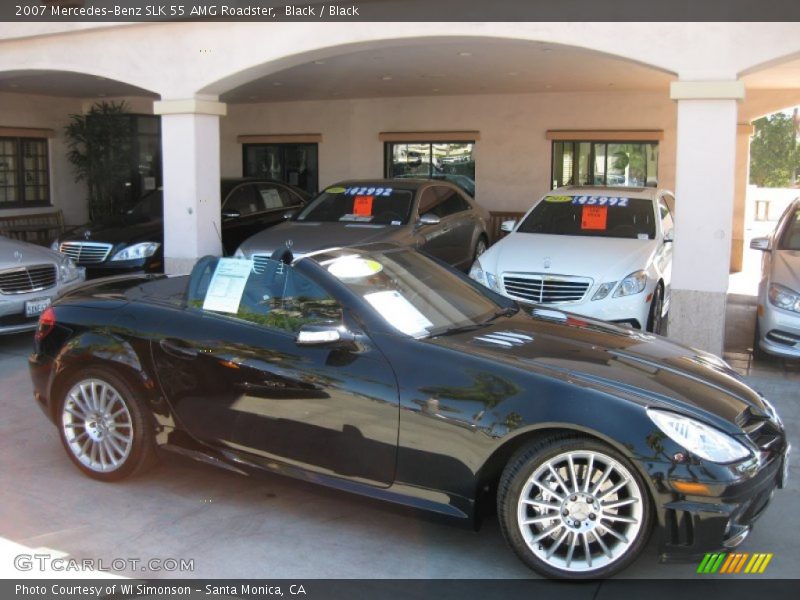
<point x="655" y="321"/>
<point x="758" y="353"/>
<point x="133" y="421"/>
<point x="513" y="498"/>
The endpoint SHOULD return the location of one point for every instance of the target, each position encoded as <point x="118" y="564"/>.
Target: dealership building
<point x="520" y="108"/>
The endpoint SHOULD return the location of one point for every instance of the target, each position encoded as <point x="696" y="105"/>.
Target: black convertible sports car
<point x="380" y="371"/>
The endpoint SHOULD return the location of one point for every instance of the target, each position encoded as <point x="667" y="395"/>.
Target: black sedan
<point x="380" y="371"/>
<point x="432" y="215"/>
<point x="135" y="241"/>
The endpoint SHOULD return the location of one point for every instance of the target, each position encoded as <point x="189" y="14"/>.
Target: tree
<point x="774" y="151"/>
<point x="99" y="150"/>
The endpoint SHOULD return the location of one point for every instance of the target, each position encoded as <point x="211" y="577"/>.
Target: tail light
<point x="47" y="321"/>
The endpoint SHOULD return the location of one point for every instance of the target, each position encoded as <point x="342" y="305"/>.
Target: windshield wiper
<point x="509" y="311"/>
<point x="458" y="329"/>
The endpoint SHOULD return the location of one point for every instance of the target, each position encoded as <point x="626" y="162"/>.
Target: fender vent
<point x="504" y="339"/>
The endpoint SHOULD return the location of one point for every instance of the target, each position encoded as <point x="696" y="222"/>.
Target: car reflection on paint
<point x="380" y="371"/>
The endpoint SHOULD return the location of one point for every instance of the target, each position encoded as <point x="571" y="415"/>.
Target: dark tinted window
<point x="442" y="202"/>
<point x="245" y="200"/>
<point x="360" y="204"/>
<point x="790" y="240"/>
<point x="600" y="216"/>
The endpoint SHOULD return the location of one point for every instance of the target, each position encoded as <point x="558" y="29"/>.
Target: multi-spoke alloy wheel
<point x="573" y="508"/>
<point x="102" y="426"/>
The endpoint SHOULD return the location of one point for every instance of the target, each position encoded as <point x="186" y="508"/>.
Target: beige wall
<point x="45" y="112"/>
<point x="512" y="155"/>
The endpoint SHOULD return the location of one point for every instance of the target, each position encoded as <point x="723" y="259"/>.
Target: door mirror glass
<point x="289" y="214"/>
<point x="761" y="243"/>
<point x="231" y="213"/>
<point x="508" y="226"/>
<point x="669" y="236"/>
<point x="429" y="219"/>
<point x="324" y="335"/>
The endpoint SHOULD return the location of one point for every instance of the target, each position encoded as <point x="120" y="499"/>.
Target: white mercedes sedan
<point x="601" y="252"/>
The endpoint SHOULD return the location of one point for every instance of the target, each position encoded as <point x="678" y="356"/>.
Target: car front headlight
<point x="632" y="284"/>
<point x="239" y="253"/>
<point x="55" y="246"/>
<point x="784" y="298"/>
<point x="604" y="290"/>
<point x="142" y="250"/>
<point x="67" y="271"/>
<point x="485" y="278"/>
<point x="698" y="438"/>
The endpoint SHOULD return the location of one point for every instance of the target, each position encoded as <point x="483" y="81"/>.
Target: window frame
<point x="387" y="154"/>
<point x="19" y="170"/>
<point x="283" y="147"/>
<point x="575" y="143"/>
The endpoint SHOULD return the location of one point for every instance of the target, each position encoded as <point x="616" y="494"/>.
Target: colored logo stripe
<point x="734" y="563"/>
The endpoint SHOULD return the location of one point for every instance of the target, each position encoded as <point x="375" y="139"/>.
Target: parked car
<point x="431" y="215"/>
<point x="384" y="372"/>
<point x="778" y="318"/>
<point x="30" y="277"/>
<point x="599" y="252"/>
<point x="135" y="241"/>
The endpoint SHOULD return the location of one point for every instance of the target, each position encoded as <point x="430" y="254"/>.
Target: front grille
<point x="765" y="434"/>
<point x="86" y="253"/>
<point x="546" y="289"/>
<point x="22" y="280"/>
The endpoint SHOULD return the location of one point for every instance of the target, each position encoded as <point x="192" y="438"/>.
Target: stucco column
<point x="744" y="131"/>
<point x="704" y="199"/>
<point x="191" y="167"/>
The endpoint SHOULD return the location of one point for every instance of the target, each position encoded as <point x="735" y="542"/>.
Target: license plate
<point x="785" y="468"/>
<point x="34" y="308"/>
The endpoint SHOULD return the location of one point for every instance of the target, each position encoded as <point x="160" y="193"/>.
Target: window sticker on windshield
<point x="594" y="217"/>
<point x="558" y="198"/>
<point x="600" y="201"/>
<point x="362" y="206"/>
<point x="335" y="190"/>
<point x="355" y="218"/>
<point x="354" y="267"/>
<point x="227" y="285"/>
<point x="368" y="191"/>
<point x="399" y="312"/>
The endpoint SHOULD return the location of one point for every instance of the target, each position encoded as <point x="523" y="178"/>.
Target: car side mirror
<point x="289" y="214"/>
<point x="231" y="213"/>
<point x="508" y="226"/>
<point x="429" y="219"/>
<point x="669" y="236"/>
<point x="324" y="335"/>
<point x="761" y="243"/>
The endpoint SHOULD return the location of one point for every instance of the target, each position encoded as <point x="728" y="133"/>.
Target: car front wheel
<point x="572" y="507"/>
<point x="104" y="427"/>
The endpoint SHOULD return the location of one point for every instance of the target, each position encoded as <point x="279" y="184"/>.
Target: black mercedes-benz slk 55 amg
<point x="381" y="371"/>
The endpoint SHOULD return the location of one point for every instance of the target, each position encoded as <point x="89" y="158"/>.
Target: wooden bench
<point x="40" y="228"/>
<point x="496" y="219"/>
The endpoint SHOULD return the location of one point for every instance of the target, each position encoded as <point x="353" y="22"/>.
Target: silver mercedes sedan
<point x="30" y="277"/>
<point x="778" y="321"/>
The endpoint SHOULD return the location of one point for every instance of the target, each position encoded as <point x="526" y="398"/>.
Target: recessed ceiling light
<point x="13" y="85"/>
<point x="547" y="50"/>
<point x="277" y="83"/>
<point x="100" y="78"/>
<point x="252" y="97"/>
<point x="435" y="90"/>
<point x="512" y="73"/>
<point x="465" y="53"/>
<point x="101" y="95"/>
<point x="433" y="76"/>
<point x="319" y="62"/>
<point x="386" y="77"/>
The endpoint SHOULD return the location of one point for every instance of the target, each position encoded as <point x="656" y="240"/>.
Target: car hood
<point x="307" y="237"/>
<point x="786" y="268"/>
<point x="601" y="259"/>
<point x="117" y="231"/>
<point x="646" y="368"/>
<point x="28" y="253"/>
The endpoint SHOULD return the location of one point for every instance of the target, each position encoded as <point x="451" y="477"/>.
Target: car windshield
<point x="596" y="216"/>
<point x="790" y="240"/>
<point x="149" y="207"/>
<point x="412" y="293"/>
<point x="360" y="204"/>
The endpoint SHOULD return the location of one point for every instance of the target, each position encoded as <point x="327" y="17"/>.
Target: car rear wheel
<point x="103" y="426"/>
<point x="573" y="507"/>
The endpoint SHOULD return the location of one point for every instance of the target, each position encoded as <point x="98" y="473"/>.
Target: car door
<point x="241" y="212"/>
<point x="239" y="381"/>
<point x="444" y="239"/>
<point x="663" y="256"/>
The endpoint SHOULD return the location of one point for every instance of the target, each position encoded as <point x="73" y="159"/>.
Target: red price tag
<point x="594" y="217"/>
<point x="362" y="206"/>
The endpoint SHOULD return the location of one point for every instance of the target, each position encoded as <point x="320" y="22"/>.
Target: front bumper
<point x="779" y="329"/>
<point x="123" y="267"/>
<point x="692" y="526"/>
<point x="12" y="308"/>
